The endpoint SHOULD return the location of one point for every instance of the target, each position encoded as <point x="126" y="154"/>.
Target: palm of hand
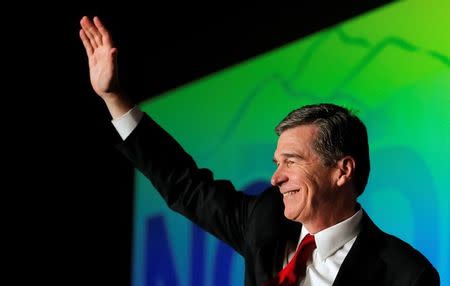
<point x="102" y="69"/>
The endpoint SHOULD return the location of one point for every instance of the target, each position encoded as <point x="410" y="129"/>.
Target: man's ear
<point x="345" y="170"/>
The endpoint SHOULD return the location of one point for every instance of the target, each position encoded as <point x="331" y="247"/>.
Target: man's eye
<point x="289" y="163"/>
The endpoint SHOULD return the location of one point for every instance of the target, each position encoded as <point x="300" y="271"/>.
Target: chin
<point x="294" y="215"/>
<point x="290" y="215"/>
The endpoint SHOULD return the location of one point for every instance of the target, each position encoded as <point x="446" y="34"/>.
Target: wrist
<point x="117" y="103"/>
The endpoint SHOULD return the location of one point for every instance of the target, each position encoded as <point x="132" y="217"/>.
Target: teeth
<point x="290" y="193"/>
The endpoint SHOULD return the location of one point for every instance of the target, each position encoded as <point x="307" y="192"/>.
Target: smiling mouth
<point x="290" y="193"/>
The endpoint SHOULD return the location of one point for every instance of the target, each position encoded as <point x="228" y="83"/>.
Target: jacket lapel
<point x="363" y="265"/>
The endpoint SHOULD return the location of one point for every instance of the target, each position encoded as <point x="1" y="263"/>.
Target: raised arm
<point x="102" y="57"/>
<point x="215" y="205"/>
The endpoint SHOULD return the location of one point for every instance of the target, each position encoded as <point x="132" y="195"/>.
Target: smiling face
<point x="307" y="185"/>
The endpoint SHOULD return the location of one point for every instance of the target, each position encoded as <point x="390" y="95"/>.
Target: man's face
<point x="304" y="181"/>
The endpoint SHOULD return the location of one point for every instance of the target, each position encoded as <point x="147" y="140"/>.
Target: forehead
<point x="299" y="138"/>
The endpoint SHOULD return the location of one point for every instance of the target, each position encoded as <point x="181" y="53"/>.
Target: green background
<point x="391" y="66"/>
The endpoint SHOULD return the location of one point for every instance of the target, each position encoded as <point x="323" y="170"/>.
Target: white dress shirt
<point x="333" y="243"/>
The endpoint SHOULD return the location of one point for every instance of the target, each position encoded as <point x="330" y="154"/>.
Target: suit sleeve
<point x="214" y="205"/>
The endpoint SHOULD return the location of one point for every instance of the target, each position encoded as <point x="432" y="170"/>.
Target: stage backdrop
<point x="392" y="66"/>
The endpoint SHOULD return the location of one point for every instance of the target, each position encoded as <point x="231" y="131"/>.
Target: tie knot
<point x="308" y="240"/>
<point x="296" y="268"/>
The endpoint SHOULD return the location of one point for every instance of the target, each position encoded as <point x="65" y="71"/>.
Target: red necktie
<point x="296" y="268"/>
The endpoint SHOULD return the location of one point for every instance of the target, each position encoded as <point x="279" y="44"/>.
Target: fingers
<point x="91" y="32"/>
<point x="103" y="32"/>
<point x="86" y="43"/>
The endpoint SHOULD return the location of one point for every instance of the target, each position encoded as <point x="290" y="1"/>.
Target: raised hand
<point x="103" y="65"/>
<point x="102" y="56"/>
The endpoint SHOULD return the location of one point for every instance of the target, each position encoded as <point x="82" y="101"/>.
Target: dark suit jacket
<point x="255" y="226"/>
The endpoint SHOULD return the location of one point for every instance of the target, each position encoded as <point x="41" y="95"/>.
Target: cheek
<point x="316" y="177"/>
<point x="305" y="179"/>
<point x="312" y="188"/>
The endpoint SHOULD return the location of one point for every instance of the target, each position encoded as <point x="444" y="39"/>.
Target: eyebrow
<point x="289" y="155"/>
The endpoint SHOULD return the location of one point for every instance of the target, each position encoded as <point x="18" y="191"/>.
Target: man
<point x="306" y="230"/>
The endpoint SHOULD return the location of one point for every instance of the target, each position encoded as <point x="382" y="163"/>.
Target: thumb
<point x="113" y="53"/>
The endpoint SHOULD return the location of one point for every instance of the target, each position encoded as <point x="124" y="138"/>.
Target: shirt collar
<point x="334" y="237"/>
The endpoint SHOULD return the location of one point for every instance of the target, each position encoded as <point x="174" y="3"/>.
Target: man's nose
<point x="278" y="177"/>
